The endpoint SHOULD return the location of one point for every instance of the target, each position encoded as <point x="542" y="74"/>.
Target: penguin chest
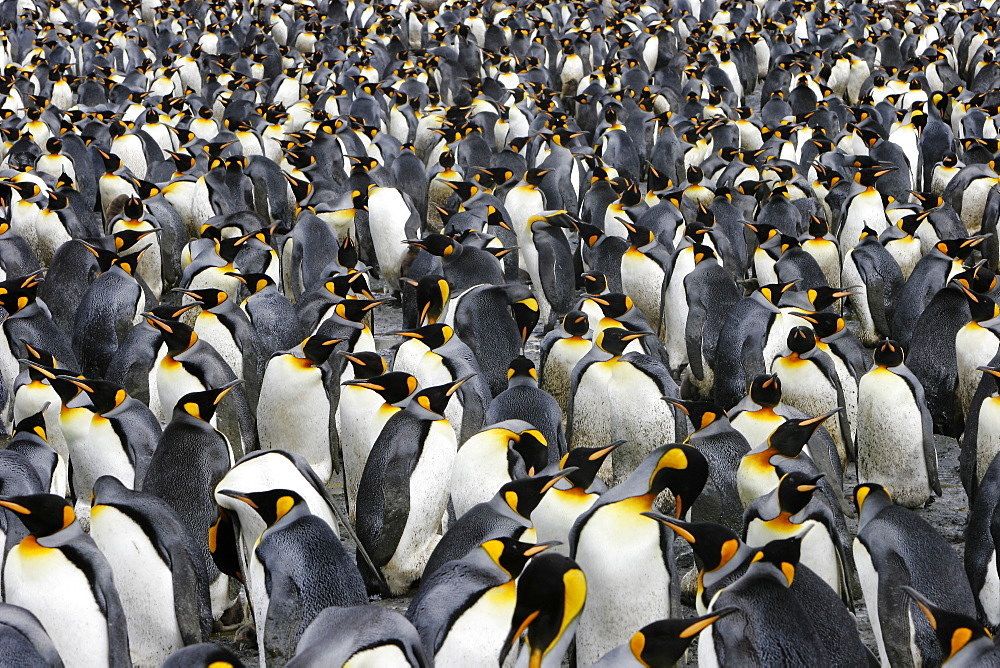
<point x="355" y="412"/>
<point x="974" y="203"/>
<point x="987" y="435"/>
<point x="642" y="280"/>
<point x="173" y="381"/>
<point x="975" y="346"/>
<point x="590" y="421"/>
<point x="906" y="252"/>
<point x="293" y="412"/>
<point x="381" y="656"/>
<point x="387" y="216"/>
<point x="51" y="235"/>
<point x="644" y="421"/>
<point x="890" y="437"/>
<point x="210" y="328"/>
<point x="757" y="425"/>
<point x="144" y="583"/>
<point x="866" y="208"/>
<point x="46" y="583"/>
<point x="102" y="452"/>
<point x="480" y="630"/>
<point x="755" y="476"/>
<point x="556" y="513"/>
<point x="558" y="370"/>
<point x="620" y="600"/>
<point x="480" y="469"/>
<point x="870" y="587"/>
<point x="675" y="308"/>
<point x="827" y="256"/>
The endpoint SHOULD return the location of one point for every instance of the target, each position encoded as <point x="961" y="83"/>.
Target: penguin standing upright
<point x="305" y="570"/>
<point x="190" y="459"/>
<point x="295" y="411"/>
<point x="524" y="400"/>
<point x="613" y="532"/>
<point x="559" y="353"/>
<point x="403" y="492"/>
<point x="59" y="575"/>
<point x="463" y="610"/>
<point x="157" y="568"/>
<point x="896" y="547"/>
<point x="895" y="434"/>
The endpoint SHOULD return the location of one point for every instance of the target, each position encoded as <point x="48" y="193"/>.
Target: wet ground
<point x="946" y="514"/>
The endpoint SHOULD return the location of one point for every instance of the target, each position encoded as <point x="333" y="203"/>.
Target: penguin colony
<point x="758" y="241"/>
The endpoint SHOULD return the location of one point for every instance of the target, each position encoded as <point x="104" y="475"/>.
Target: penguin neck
<point x="61" y="537"/>
<point x="522" y="381"/>
<point x="764" y="569"/>
<point x="871" y="507"/>
<point x="708" y="579"/>
<point x="718" y="427"/>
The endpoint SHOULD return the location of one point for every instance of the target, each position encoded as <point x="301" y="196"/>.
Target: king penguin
<point x="59" y="575"/>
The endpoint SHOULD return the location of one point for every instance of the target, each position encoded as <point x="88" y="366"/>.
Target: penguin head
<point x="438" y="245"/>
<point x="954" y="631"/>
<point x="595" y="282"/>
<point x="104" y="395"/>
<point x="824" y="297"/>
<point x="888" y="354"/>
<point x="430" y="403"/>
<point x="981" y="307"/>
<point x="866" y="176"/>
<point x="512" y="555"/>
<point x="522" y="370"/>
<point x="614" y="340"/>
<point x="394" y="387"/>
<point x="365" y="364"/>
<point x="33" y="424"/>
<point x="765" y="390"/>
<point x="208" y="298"/>
<point x="40" y="355"/>
<point x="824" y="323"/>
<point x="678" y="467"/>
<point x="714" y="545"/>
<point x="795" y="490"/>
<point x="202" y="405"/>
<point x="176" y="335"/>
<point x="780" y="558"/>
<point x="531" y="446"/>
<point x="585" y="463"/>
<point x="961" y="248"/>
<point x="701" y="413"/>
<point x="576" y="323"/>
<point x="791" y="435"/>
<point x="977" y="278"/>
<point x="664" y="642"/>
<point x="523" y="495"/>
<point x="433" y="292"/>
<point x="773" y="291"/>
<point x="66" y="390"/>
<point x="41" y="514"/>
<point x="551" y="593"/>
<point x="872" y="496"/>
<point x="316" y="350"/>
<point x="433" y="336"/>
<point x="354" y="310"/>
<point x="271" y="504"/>
<point x="801" y="340"/>
<point x="254" y="282"/>
<point x="702" y="253"/>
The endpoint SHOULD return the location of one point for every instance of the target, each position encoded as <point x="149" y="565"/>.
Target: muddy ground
<point x="947" y="514"/>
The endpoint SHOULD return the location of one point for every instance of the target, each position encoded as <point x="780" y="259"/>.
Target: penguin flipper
<point x="283" y="621"/>
<point x="894" y="608"/>
<point x="693" y="330"/>
<point x="193" y="612"/>
<point x="875" y="290"/>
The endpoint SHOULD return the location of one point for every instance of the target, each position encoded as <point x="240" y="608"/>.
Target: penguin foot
<point x="246" y="636"/>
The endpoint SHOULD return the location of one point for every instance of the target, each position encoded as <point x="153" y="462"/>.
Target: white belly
<point x="383" y="656"/>
<point x="100" y="453"/>
<point x="756" y="426"/>
<point x="429" y="486"/>
<point x="675" y="309"/>
<point x="975" y="346"/>
<point x="987" y="435"/>
<point x="805" y="387"/>
<point x="591" y="416"/>
<point x="144" y="583"/>
<point x="478" y="635"/>
<point x="211" y="329"/>
<point x="480" y="470"/>
<point x="294" y="413"/>
<point x="555" y="514"/>
<point x="172" y="383"/>
<point x="45" y="583"/>
<point x="869" y="587"/>
<point x="387" y="215"/>
<point x="355" y="411"/>
<point x="890" y="438"/>
<point x="557" y="374"/>
<point x="620" y="600"/>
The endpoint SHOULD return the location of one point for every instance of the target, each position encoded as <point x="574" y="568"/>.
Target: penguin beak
<point x="703" y="623"/>
<point x="678" y="403"/>
<point x="83" y="386"/>
<point x="541" y="547"/>
<point x="819" y="419"/>
<point x="226" y="389"/>
<point x="239" y="497"/>
<point x="676" y="526"/>
<point x="557" y="477"/>
<point x="16" y="507"/>
<point x="604" y="452"/>
<point x="457" y="384"/>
